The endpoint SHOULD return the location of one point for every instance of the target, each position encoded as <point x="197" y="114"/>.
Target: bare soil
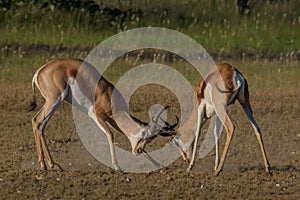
<point x="85" y="178"/>
<point x="277" y="112"/>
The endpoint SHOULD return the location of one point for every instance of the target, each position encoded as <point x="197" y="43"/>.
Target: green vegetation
<point x="276" y="76"/>
<point x="271" y="26"/>
<point x="272" y="76"/>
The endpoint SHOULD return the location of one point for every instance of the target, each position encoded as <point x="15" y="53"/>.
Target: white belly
<point x="77" y="98"/>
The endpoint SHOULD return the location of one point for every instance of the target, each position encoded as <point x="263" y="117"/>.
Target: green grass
<point x="271" y="26"/>
<point x="18" y="69"/>
<point x="272" y="76"/>
<point x="60" y="29"/>
<point x="275" y="75"/>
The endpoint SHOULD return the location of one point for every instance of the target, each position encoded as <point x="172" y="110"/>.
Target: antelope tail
<point x="230" y="91"/>
<point x="33" y="104"/>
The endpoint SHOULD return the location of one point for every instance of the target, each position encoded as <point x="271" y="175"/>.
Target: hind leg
<point x="219" y="104"/>
<point x="229" y="127"/>
<point x="35" y="126"/>
<point x="244" y="100"/>
<point x="248" y="111"/>
<point x="217" y="133"/>
<point x="49" y="109"/>
<point x="39" y="124"/>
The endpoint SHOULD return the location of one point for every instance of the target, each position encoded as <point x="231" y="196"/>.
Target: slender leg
<point x="39" y="149"/>
<point x="97" y="117"/>
<point x="201" y="108"/>
<point x="229" y="127"/>
<point x="220" y="108"/>
<point x="40" y="120"/>
<point x="248" y="111"/>
<point x="219" y="103"/>
<point x="217" y="133"/>
<point x="49" y="109"/>
<point x="111" y="144"/>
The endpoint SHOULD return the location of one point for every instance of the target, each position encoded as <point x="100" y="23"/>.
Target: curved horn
<point x="171" y="127"/>
<point x="168" y="130"/>
<point x="155" y="119"/>
<point x="168" y="126"/>
<point x="154" y="127"/>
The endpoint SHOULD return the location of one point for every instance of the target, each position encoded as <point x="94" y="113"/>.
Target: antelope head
<point x="153" y="129"/>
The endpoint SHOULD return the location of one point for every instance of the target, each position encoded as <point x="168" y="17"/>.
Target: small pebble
<point x="39" y="177"/>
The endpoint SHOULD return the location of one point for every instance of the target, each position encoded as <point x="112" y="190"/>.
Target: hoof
<point x="189" y="170"/>
<point x="117" y="167"/>
<point x="43" y="166"/>
<point x="216" y="167"/>
<point x="57" y="167"/>
<point x="268" y="170"/>
<point x="217" y="172"/>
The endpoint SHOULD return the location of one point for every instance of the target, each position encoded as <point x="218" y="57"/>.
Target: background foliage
<point x="270" y="26"/>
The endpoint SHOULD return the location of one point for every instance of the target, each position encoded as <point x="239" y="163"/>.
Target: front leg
<point x="200" y="120"/>
<point x="104" y="127"/>
<point x="217" y="133"/>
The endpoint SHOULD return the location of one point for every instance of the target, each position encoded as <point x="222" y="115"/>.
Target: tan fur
<point x="109" y="107"/>
<point x="221" y="80"/>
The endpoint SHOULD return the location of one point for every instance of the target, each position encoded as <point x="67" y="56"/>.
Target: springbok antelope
<point x="78" y="82"/>
<point x="221" y="87"/>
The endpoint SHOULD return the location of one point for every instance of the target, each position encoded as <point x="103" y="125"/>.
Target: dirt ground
<point x="83" y="177"/>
